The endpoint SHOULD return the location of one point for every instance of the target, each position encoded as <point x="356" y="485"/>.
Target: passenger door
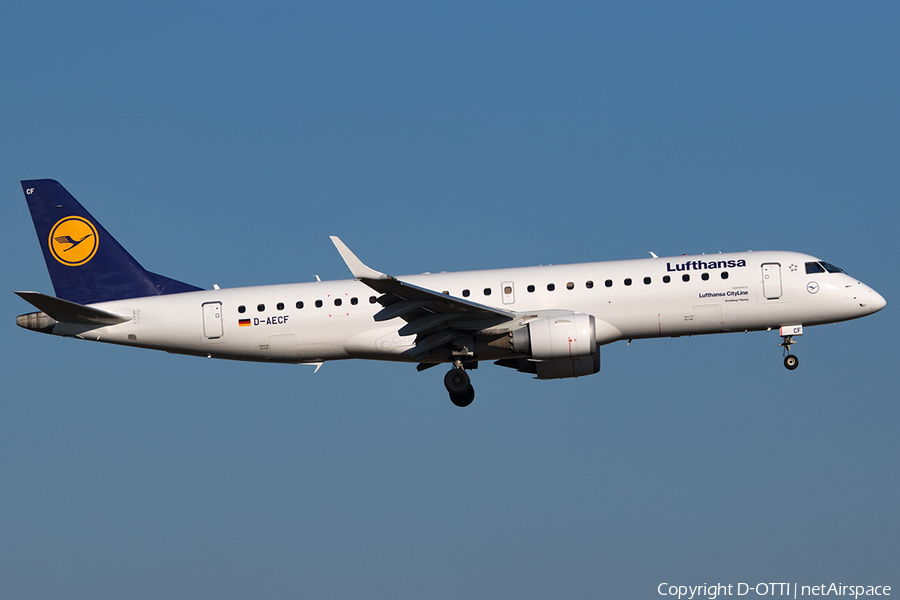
<point x="771" y="273"/>
<point x="212" y="320"/>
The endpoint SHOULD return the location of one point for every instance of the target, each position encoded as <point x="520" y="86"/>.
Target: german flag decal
<point x="243" y="322"/>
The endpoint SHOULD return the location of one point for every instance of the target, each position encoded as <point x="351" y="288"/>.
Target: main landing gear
<point x="791" y="361"/>
<point x="459" y="386"/>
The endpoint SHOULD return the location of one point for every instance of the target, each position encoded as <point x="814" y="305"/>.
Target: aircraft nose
<point x="876" y="301"/>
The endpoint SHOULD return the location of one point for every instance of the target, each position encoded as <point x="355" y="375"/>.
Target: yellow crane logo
<point x="73" y="241"/>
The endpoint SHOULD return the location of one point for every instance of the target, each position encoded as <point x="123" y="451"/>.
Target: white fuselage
<point x="655" y="297"/>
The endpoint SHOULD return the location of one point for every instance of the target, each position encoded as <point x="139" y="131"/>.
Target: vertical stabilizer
<point x="86" y="264"/>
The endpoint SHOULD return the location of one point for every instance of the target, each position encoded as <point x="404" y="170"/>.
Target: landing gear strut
<point x="459" y="386"/>
<point x="791" y="361"/>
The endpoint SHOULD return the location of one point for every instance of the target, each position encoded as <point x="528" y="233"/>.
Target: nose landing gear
<point x="787" y="333"/>
<point x="459" y="386"/>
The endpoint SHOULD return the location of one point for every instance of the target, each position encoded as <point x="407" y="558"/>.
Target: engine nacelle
<point x="559" y="347"/>
<point x="560" y="337"/>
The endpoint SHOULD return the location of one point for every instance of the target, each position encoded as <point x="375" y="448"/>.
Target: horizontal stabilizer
<point x="70" y="312"/>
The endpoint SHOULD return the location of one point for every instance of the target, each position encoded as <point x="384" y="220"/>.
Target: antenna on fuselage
<point x="653" y="255"/>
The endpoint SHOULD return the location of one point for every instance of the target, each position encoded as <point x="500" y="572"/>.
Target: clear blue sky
<point x="223" y="142"/>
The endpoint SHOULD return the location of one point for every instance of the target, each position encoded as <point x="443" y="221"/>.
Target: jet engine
<point x="559" y="346"/>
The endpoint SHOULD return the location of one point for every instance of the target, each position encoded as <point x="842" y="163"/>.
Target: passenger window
<point x="551" y="287"/>
<point x="354" y="301"/>
<point x="685" y="277"/>
<point x="487" y="291"/>
<point x="814" y="267"/>
<point x="299" y="303"/>
<point x="280" y="306"/>
<point x="372" y="299"/>
<point x="530" y="288"/>
<point x="570" y="286"/>
<point x="318" y="304"/>
<point x="647" y="281"/>
<point x="589" y="284"/>
<point x="666" y="279"/>
<point x="608" y="283"/>
<point x="260" y="307"/>
<point x="705" y="277"/>
<point x="465" y="293"/>
<point x="242" y="309"/>
<point x="337" y="302"/>
<point x="724" y="274"/>
<point x="628" y="281"/>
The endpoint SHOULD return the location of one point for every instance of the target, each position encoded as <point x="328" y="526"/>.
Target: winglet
<point x="356" y="266"/>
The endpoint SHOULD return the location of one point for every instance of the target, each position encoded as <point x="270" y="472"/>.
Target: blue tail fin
<point x="86" y="264"/>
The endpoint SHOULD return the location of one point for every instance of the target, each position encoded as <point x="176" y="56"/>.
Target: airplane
<point x="548" y="321"/>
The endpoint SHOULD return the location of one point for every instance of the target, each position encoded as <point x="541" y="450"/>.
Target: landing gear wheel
<point x="464" y="399"/>
<point x="457" y="381"/>
<point x="459" y="387"/>
<point x="791" y="362"/>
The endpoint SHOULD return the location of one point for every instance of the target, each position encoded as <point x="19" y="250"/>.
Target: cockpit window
<point x="831" y="268"/>
<point x="814" y="267"/>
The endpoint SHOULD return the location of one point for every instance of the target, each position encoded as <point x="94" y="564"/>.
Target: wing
<point x="64" y="239"/>
<point x="437" y="320"/>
